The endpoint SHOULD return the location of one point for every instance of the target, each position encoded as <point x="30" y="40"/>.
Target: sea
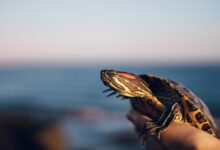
<point x="70" y="88"/>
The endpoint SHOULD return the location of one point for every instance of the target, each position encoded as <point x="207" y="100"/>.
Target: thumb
<point x="137" y="118"/>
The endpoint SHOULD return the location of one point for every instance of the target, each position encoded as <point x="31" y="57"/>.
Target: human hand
<point x="179" y="136"/>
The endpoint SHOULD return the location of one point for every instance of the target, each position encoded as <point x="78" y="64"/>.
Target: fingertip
<point x="129" y="115"/>
<point x="132" y="115"/>
<point x="136" y="117"/>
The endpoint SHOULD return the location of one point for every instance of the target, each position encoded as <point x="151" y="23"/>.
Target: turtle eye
<point x="127" y="75"/>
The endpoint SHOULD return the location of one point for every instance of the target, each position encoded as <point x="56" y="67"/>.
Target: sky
<point x="110" y="31"/>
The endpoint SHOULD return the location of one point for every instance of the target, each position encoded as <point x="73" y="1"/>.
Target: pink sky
<point x="76" y="32"/>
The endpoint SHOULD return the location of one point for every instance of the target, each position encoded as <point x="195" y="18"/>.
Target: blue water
<point x="79" y="88"/>
<point x="74" y="87"/>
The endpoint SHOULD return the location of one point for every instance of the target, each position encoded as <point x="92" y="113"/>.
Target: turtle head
<point x="126" y="84"/>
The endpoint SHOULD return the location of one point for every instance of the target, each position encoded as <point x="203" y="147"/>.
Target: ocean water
<point x="66" y="89"/>
<point x="69" y="87"/>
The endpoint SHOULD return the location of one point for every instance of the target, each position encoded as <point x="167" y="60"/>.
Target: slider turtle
<point x="162" y="99"/>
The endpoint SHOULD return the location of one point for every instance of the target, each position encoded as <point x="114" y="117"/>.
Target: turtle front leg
<point x="156" y="127"/>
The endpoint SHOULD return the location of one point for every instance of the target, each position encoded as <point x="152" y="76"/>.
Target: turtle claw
<point x="118" y="96"/>
<point x="123" y="98"/>
<point x="149" y="129"/>
<point x="113" y="93"/>
<point x="106" y="90"/>
<point x="154" y="128"/>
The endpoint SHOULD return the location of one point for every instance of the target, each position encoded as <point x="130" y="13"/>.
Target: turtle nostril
<point x="104" y="72"/>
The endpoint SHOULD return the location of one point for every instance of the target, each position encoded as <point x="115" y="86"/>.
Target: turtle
<point x="162" y="99"/>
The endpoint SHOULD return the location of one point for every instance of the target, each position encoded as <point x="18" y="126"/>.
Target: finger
<point x="137" y="118"/>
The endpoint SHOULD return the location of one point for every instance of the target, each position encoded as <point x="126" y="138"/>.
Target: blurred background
<point x="51" y="54"/>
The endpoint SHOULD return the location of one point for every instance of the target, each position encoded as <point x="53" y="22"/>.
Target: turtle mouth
<point x="108" y="78"/>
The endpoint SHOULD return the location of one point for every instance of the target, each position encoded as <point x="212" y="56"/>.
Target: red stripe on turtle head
<point x="127" y="75"/>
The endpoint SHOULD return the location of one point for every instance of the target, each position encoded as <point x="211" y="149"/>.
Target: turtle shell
<point x="194" y="110"/>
